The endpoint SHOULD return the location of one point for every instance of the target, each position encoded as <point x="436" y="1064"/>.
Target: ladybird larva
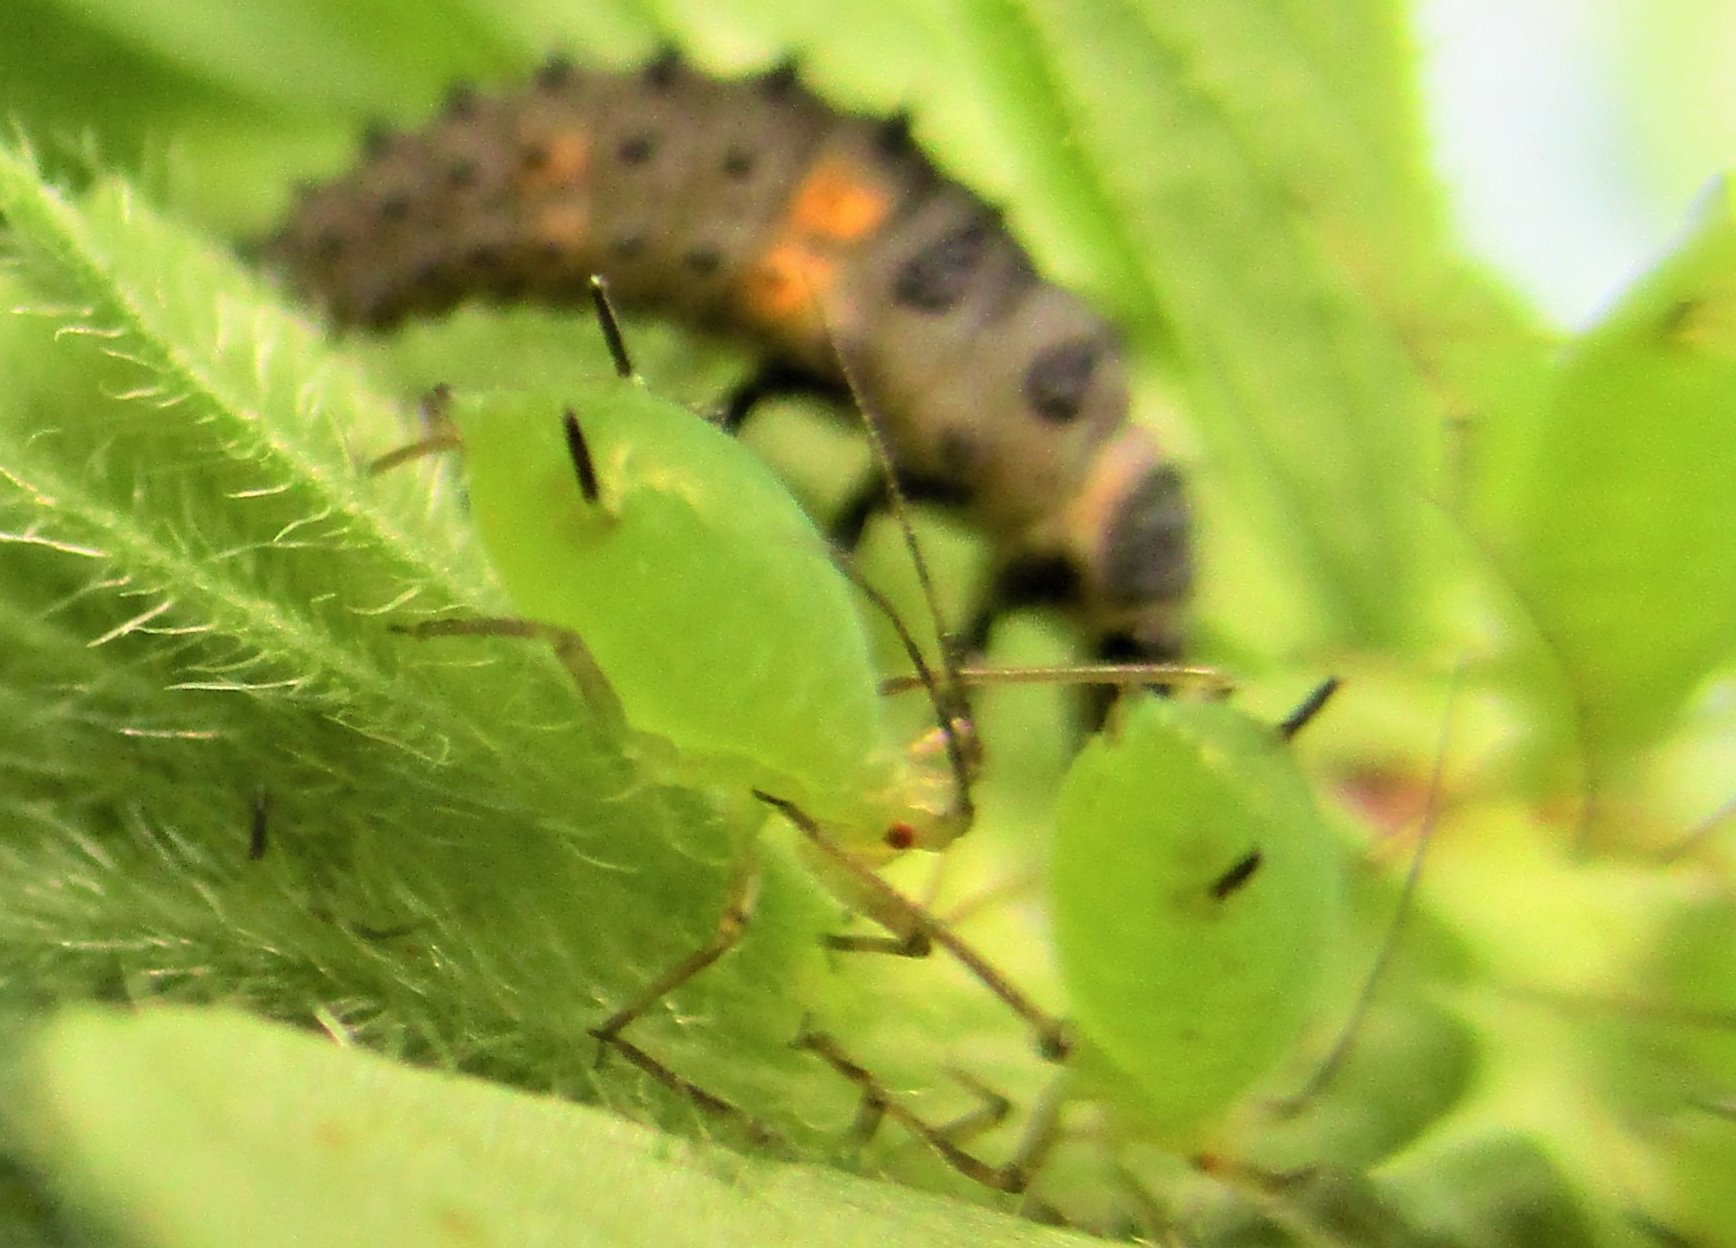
<point x="749" y="205"/>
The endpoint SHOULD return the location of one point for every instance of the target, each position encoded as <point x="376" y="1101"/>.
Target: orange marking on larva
<point x="788" y="280"/>
<point x="563" y="225"/>
<point x="833" y="202"/>
<point x="554" y="160"/>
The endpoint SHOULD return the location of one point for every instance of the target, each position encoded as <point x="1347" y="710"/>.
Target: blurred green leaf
<point x="184" y="1128"/>
<point x="1619" y="524"/>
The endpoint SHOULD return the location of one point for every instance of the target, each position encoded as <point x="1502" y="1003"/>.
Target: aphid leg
<point x="738" y="905"/>
<point x="772" y="380"/>
<point x="1013" y="1176"/>
<point x="898" y="914"/>
<point x="992" y="1109"/>
<point x="757" y="1132"/>
<point x="568" y="646"/>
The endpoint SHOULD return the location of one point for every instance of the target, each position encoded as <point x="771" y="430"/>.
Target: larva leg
<point x="732" y="920"/>
<point x="772" y="380"/>
<point x="871" y="497"/>
<point x="866" y="501"/>
<point x="1030" y="582"/>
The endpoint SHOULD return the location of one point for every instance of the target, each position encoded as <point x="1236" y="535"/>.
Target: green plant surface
<point x="202" y="1127"/>
<point x="1635" y="603"/>
<point x="225" y="780"/>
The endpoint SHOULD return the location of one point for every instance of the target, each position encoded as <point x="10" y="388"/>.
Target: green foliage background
<point x="1400" y="477"/>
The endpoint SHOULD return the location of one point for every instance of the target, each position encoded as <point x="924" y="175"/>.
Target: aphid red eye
<point x="900" y="836"/>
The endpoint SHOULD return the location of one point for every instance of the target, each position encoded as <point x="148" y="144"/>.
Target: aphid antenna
<point x="899" y="508"/>
<point x="951" y="714"/>
<point x="758" y="1133"/>
<point x="610" y="324"/>
<point x="947" y="693"/>
<point x="1341" y="1047"/>
<point x="1120" y="675"/>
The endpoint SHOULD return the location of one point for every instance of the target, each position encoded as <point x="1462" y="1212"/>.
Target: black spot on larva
<point x="533" y="156"/>
<point x="664" y="69"/>
<point x="958" y="455"/>
<point x="636" y="149"/>
<point x="482" y="258"/>
<point x="780" y="79"/>
<point x="937" y="277"/>
<point x="1145" y="554"/>
<point x="329" y="245"/>
<point x="738" y="163"/>
<point x="394" y="207"/>
<point x="376" y="139"/>
<point x="893" y="135"/>
<point x="628" y="247"/>
<point x="461" y="101"/>
<point x="554" y="73"/>
<point x="702" y="261"/>
<point x="1059" y="378"/>
<point x="461" y="173"/>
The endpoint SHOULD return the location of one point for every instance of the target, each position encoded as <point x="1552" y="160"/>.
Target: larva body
<point x="749" y="206"/>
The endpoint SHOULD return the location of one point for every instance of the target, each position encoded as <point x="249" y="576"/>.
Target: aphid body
<point x="752" y="207"/>
<point x="1195" y="896"/>
<point x="1195" y="891"/>
<point x="705" y="597"/>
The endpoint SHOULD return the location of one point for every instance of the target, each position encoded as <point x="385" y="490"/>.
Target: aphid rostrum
<point x="751" y="207"/>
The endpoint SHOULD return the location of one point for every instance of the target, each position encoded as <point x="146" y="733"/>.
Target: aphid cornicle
<point x="750" y="206"/>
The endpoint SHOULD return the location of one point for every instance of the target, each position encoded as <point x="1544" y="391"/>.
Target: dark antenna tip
<point x="580" y="452"/>
<point x="1310" y="706"/>
<point x="611" y="326"/>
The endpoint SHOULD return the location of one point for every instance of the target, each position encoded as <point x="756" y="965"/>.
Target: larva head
<point x="1195" y="893"/>
<point x="704" y="592"/>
